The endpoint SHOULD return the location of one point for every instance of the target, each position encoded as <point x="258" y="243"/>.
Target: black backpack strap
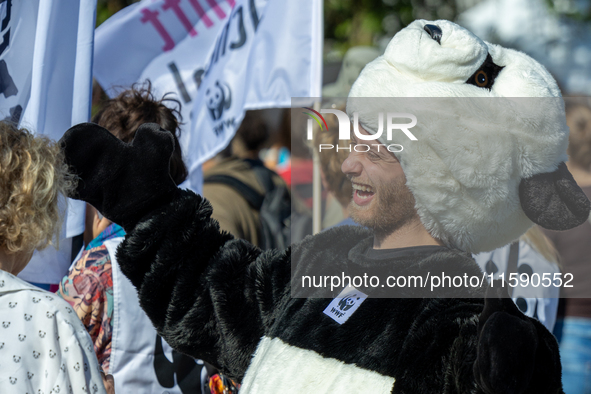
<point x="264" y="176"/>
<point x="512" y="261"/>
<point x="253" y="198"/>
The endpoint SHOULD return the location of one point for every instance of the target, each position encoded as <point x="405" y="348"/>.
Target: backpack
<point x="279" y="226"/>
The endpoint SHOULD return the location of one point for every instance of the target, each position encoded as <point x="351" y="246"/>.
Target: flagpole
<point x="316" y="188"/>
<point x="318" y="15"/>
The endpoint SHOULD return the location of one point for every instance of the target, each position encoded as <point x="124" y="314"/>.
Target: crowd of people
<point x="202" y="293"/>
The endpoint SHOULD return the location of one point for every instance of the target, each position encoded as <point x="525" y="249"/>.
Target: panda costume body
<point x="227" y="302"/>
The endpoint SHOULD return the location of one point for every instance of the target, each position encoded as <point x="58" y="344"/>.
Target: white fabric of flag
<point x="135" y="346"/>
<point x="165" y="41"/>
<point x="268" y="52"/>
<point x="258" y="53"/>
<point x="45" y="84"/>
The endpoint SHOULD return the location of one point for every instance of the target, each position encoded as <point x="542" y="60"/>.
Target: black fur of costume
<point x="222" y="300"/>
<point x="214" y="297"/>
<point x="226" y="302"/>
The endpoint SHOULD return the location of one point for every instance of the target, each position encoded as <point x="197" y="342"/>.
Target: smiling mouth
<point x="362" y="193"/>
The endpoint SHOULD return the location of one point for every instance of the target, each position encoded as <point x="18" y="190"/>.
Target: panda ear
<point x="554" y="200"/>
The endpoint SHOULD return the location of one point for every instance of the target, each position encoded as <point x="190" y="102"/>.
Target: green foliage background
<point x="361" y="22"/>
<point x="106" y="8"/>
<point x="350" y="23"/>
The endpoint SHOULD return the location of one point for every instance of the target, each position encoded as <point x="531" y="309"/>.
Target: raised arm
<point x="213" y="297"/>
<point x="208" y="294"/>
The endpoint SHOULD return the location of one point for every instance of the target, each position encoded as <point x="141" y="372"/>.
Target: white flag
<point x="268" y="52"/>
<point x="260" y="54"/>
<point x="165" y="41"/>
<point x="45" y="86"/>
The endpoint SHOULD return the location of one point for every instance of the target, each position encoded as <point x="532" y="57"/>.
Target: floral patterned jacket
<point x="88" y="287"/>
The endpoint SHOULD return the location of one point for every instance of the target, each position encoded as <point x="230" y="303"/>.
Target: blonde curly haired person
<point x="43" y="345"/>
<point x="32" y="175"/>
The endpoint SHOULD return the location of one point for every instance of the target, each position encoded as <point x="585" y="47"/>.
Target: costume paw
<point x="123" y="181"/>
<point x="507" y="344"/>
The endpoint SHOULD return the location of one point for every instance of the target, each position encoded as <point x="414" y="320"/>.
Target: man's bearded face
<point x="381" y="199"/>
<point x="382" y="207"/>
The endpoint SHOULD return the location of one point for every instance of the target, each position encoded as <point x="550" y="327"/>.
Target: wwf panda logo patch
<point x="345" y="304"/>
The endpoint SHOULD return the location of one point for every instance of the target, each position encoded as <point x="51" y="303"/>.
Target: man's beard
<point x="393" y="208"/>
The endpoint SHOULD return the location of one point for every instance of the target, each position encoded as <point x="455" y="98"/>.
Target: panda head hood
<point x="491" y="135"/>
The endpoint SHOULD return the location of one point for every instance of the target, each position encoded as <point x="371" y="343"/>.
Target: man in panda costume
<point x="225" y="301"/>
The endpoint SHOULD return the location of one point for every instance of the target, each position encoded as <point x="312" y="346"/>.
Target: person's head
<point x="331" y="161"/>
<point x="579" y="149"/>
<point x="32" y="175"/>
<point x="251" y="136"/>
<point x="381" y="200"/>
<point x="124" y="114"/>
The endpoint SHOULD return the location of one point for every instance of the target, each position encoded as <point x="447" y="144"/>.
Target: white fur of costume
<point x="465" y="168"/>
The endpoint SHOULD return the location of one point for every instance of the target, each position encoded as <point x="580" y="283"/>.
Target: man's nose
<point x="351" y="165"/>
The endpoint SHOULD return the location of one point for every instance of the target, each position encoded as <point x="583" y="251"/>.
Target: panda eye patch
<point x="485" y="76"/>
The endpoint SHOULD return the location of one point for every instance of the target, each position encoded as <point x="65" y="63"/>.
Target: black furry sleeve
<point x="441" y="348"/>
<point x="514" y="367"/>
<point x="208" y="295"/>
<point x="529" y="364"/>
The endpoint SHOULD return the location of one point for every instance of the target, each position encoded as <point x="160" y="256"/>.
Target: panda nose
<point x="434" y="31"/>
